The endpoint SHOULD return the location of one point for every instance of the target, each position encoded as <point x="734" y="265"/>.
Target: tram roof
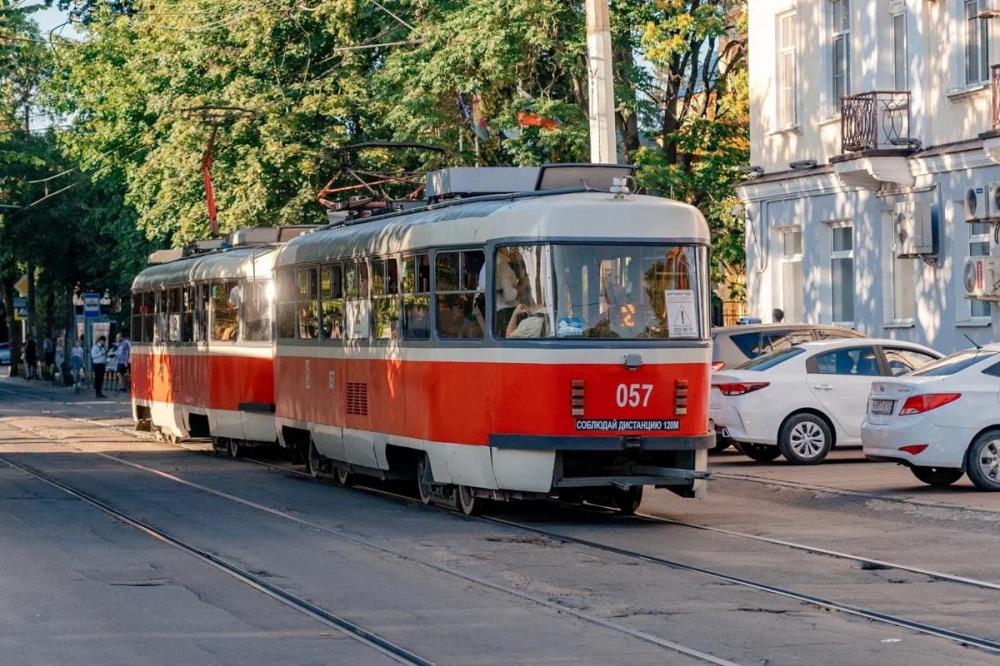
<point x="233" y="263"/>
<point x="583" y="216"/>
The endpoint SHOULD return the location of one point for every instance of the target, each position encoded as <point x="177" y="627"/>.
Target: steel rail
<point x="348" y="628"/>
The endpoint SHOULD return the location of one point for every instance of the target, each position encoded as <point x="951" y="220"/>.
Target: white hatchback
<point x="800" y="401"/>
<point x="941" y="421"/>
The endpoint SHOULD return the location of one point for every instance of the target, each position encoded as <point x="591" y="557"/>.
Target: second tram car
<point x="507" y="346"/>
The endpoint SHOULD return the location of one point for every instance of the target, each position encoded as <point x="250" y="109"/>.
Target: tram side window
<point x="187" y="319"/>
<point x="416" y="297"/>
<point x="202" y="295"/>
<point x="137" y="317"/>
<point x="256" y="311"/>
<point x="286" y="304"/>
<point x="148" y="315"/>
<point x="331" y="294"/>
<point x="307" y="300"/>
<point x="225" y="307"/>
<point x="357" y="308"/>
<point x="385" y="297"/>
<point x="459" y="294"/>
<point x="174" y="315"/>
<point x="160" y="329"/>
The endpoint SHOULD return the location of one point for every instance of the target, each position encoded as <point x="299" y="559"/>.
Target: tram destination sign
<point x="626" y="425"/>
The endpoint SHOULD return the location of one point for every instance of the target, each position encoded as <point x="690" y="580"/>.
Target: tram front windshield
<point x="625" y="292"/>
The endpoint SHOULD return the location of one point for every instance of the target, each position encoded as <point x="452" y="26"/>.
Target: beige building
<point x="871" y="121"/>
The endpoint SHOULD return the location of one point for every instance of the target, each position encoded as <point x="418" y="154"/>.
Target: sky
<point x="48" y="19"/>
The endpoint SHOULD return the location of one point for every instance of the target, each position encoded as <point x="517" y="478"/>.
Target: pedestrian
<point x="48" y="357"/>
<point x="59" y="358"/>
<point x="76" y="364"/>
<point x="124" y="361"/>
<point x="98" y="361"/>
<point x="31" y="357"/>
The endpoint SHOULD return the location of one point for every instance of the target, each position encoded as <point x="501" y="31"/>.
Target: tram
<point x="202" y="354"/>
<point x="528" y="333"/>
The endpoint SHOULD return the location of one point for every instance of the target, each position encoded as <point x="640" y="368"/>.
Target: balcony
<point x="875" y="140"/>
<point x="878" y="120"/>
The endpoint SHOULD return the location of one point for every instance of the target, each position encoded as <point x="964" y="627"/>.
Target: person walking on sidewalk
<point x="31" y="357"/>
<point x="59" y="359"/>
<point x="76" y="364"/>
<point x="48" y="357"/>
<point x="98" y="360"/>
<point x="124" y="361"/>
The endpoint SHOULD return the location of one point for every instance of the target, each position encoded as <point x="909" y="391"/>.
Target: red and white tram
<point x="553" y="341"/>
<point x="202" y="354"/>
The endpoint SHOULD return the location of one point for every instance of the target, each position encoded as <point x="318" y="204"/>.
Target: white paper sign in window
<point x="682" y="318"/>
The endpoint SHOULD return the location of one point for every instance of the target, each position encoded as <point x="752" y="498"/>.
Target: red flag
<point x="529" y="119"/>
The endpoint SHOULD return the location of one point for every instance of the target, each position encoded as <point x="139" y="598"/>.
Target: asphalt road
<point x="82" y="587"/>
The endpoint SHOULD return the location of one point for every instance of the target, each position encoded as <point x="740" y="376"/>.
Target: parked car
<point x="802" y="400"/>
<point x="732" y="346"/>
<point x="4" y="353"/>
<point x="941" y="421"/>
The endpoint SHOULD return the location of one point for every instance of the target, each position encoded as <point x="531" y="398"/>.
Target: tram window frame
<point x="135" y="318"/>
<point x="148" y="315"/>
<point x="174" y="314"/>
<point x="202" y="309"/>
<point x="357" y="306"/>
<point x="331" y="301"/>
<point x="221" y="293"/>
<point x="385" y="307"/>
<point x="188" y="299"/>
<point x="159" y="316"/>
<point x="469" y="300"/>
<point x="415" y="286"/>
<point x="254" y="301"/>
<point x="285" y="309"/>
<point x="307" y="298"/>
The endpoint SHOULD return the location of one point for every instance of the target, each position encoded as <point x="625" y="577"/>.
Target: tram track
<point x="979" y="642"/>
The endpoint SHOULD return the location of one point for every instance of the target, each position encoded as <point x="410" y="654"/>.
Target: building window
<point x="976" y="44"/>
<point x="786" y="70"/>
<point x="899" y="52"/>
<point x="842" y="273"/>
<point x="840" y="40"/>
<point x="901" y="297"/>
<point x="792" y="292"/>
<point x="979" y="246"/>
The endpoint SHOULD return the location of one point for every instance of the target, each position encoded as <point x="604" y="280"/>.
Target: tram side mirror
<point x="633" y="361"/>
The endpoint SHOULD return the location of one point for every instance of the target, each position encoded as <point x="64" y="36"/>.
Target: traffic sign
<point x="20" y="302"/>
<point x="22" y="285"/>
<point x="21" y="314"/>
<point x="91" y="305"/>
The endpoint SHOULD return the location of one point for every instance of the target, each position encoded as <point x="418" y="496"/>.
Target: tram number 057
<point x="633" y="395"/>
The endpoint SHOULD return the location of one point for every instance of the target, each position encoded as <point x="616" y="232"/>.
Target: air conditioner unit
<point x="914" y="230"/>
<point x="982" y="278"/>
<point x="977" y="204"/>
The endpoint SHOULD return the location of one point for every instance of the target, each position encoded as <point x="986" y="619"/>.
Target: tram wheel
<point x="235" y="450"/>
<point x="467" y="500"/>
<point x="627" y="501"/>
<point x="425" y="479"/>
<point x="314" y="461"/>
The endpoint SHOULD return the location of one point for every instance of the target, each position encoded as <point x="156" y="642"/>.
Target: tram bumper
<point x="679" y="464"/>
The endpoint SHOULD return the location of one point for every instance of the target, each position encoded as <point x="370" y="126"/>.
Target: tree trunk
<point x="32" y="324"/>
<point x="68" y="337"/>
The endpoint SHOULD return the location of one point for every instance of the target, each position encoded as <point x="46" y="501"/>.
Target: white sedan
<point x="800" y="401"/>
<point x="942" y="420"/>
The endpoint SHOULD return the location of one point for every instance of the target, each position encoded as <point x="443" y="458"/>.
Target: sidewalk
<point x="16" y="389"/>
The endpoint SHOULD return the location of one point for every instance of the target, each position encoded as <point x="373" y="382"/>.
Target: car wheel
<point x="758" y="452"/>
<point x="983" y="461"/>
<point x="805" y="439"/>
<point x="939" y="477"/>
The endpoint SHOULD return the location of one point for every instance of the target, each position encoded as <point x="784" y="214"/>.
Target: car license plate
<point x="882" y="406"/>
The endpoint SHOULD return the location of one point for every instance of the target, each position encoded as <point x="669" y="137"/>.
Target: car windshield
<point x="770" y="360"/>
<point x="601" y="291"/>
<point x="949" y="365"/>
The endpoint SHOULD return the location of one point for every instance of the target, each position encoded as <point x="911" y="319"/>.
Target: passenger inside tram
<point x="459" y="317"/>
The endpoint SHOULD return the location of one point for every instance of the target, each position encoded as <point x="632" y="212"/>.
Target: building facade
<point x="871" y="120"/>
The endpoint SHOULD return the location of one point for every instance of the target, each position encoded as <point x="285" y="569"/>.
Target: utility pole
<point x="603" y="138"/>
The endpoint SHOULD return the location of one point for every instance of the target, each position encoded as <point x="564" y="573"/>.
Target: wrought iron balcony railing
<point x="877" y="120"/>
<point x="995" y="86"/>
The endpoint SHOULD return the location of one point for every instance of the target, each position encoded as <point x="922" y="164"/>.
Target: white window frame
<point x="842" y="254"/>
<point x="898" y="67"/>
<point x="786" y="259"/>
<point x="982" y="35"/>
<point x="838" y="33"/>
<point x="781" y="122"/>
<point x="892" y="265"/>
<point x="975" y="239"/>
